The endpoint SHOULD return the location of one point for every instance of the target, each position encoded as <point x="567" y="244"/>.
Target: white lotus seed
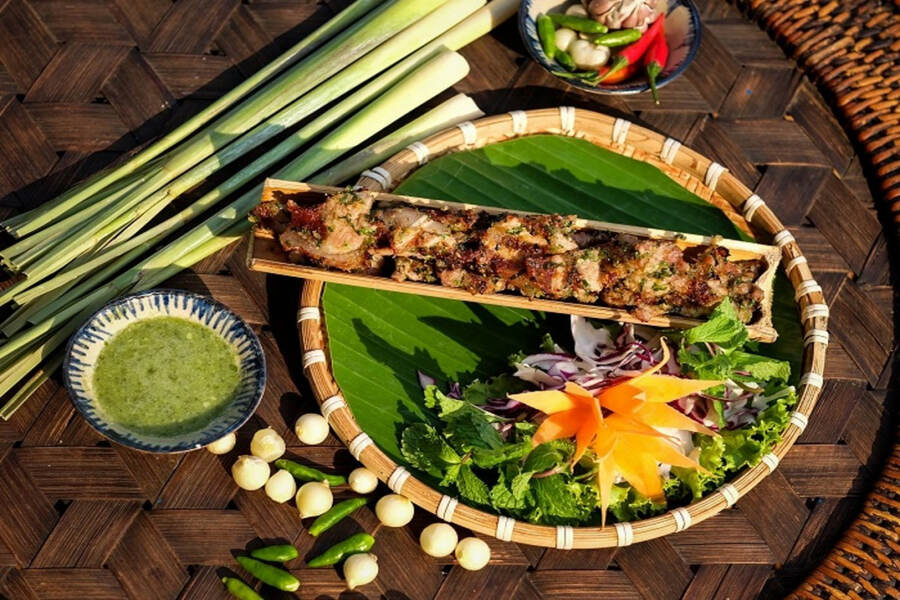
<point x="472" y="553"/>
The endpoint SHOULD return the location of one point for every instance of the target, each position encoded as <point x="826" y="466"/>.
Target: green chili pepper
<point x="355" y="544"/>
<point x="335" y="514"/>
<point x="277" y="578"/>
<point x="565" y="59"/>
<point x="617" y="38"/>
<point x="304" y="473"/>
<point x="589" y="77"/>
<point x="240" y="590"/>
<point x="578" y="23"/>
<point x="279" y="553"/>
<point x="547" y="34"/>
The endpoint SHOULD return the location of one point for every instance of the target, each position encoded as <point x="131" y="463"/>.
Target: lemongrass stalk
<point x="425" y="78"/>
<point x="86" y="221"/>
<point x="436" y="75"/>
<point x="26" y="312"/>
<point x="457" y="109"/>
<point x="11" y="254"/>
<point x="130" y="250"/>
<point x="37" y="379"/>
<point x="24" y="252"/>
<point x="151" y="277"/>
<point x="319" y="65"/>
<point x="47" y="213"/>
<point x="97" y="278"/>
<point x="97" y="298"/>
<point x="27" y="362"/>
<point x="77" y="245"/>
<point x="411" y="38"/>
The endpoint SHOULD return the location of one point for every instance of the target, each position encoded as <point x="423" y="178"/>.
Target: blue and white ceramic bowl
<point x="683" y="39"/>
<point x="86" y="344"/>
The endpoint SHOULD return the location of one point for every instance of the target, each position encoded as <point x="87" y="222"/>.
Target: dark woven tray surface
<point x="82" y="81"/>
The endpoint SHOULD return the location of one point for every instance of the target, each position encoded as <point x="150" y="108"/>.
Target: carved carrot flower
<point x="620" y="424"/>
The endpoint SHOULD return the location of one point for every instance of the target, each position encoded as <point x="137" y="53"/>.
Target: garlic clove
<point x="564" y="38"/>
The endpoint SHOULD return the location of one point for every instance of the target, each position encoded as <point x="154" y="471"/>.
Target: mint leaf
<point x="546" y="456"/>
<point x="471" y="487"/>
<point x="424" y="448"/>
<point x="723" y="328"/>
<point x="488" y="458"/>
<point x="761" y="368"/>
<point x="451" y="474"/>
<point x="512" y="496"/>
<point x="467" y="426"/>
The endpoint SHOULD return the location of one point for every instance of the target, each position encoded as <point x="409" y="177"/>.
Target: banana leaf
<point x="379" y="340"/>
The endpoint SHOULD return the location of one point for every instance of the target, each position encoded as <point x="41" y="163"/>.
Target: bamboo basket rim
<point x="709" y="180"/>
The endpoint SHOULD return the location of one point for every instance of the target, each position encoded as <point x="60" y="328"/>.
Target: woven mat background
<point x="82" y="81"/>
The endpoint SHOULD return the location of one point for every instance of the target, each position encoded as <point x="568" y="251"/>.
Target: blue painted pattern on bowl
<point x="85" y="346"/>
<point x="683" y="46"/>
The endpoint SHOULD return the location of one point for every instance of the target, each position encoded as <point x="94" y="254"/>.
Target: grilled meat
<point x="539" y="256"/>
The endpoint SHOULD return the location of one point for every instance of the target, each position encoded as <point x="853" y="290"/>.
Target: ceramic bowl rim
<point x="623" y="89"/>
<point x="100" y="425"/>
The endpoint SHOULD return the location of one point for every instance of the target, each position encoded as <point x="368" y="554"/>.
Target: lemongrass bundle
<point x="25" y="223"/>
<point x="427" y="28"/>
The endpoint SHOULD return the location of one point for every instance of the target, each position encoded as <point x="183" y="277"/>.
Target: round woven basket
<point x="700" y="175"/>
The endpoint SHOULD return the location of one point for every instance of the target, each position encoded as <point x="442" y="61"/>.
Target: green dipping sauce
<point x="165" y="376"/>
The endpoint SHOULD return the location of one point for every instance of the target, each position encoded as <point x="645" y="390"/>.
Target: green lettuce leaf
<point x="559" y="501"/>
<point x="735" y="449"/>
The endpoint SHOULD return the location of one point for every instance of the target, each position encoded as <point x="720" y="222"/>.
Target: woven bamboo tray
<point x="707" y="179"/>
<point x="265" y="254"/>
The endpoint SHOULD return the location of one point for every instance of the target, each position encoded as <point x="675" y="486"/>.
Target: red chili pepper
<point x="632" y="54"/>
<point x="655" y="60"/>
